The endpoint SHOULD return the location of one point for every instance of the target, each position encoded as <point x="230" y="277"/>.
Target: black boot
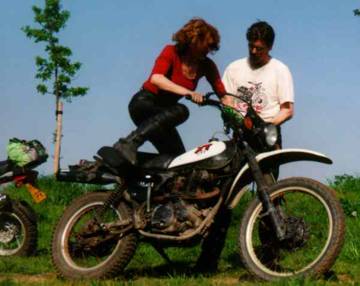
<point x="169" y="118"/>
<point x="128" y="146"/>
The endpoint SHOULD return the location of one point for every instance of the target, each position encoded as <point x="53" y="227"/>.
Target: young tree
<point x="55" y="71"/>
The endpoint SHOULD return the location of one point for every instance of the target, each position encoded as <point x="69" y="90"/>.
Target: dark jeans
<point x="278" y="145"/>
<point x="145" y="107"/>
<point x="213" y="244"/>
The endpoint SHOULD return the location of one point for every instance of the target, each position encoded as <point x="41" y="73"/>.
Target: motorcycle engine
<point x="174" y="208"/>
<point x="174" y="217"/>
<point x="163" y="216"/>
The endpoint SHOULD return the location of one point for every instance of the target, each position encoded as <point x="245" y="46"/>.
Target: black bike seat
<point x="153" y="161"/>
<point x="144" y="160"/>
<point x="112" y="157"/>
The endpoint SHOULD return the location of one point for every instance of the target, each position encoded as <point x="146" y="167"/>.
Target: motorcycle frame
<point x="253" y="170"/>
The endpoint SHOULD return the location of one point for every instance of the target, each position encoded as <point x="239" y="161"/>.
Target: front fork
<point x="263" y="193"/>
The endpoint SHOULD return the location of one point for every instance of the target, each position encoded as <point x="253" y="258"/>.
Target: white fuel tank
<point x="199" y="153"/>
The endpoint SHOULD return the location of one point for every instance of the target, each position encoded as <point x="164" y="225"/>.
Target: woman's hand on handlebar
<point x="226" y="100"/>
<point x="196" y="97"/>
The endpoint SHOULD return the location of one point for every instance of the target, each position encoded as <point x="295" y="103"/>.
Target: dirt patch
<point x="36" y="278"/>
<point x="345" y="278"/>
<point x="225" y="281"/>
<point x="51" y="279"/>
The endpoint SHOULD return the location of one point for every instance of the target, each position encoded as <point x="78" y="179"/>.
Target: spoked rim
<point x="19" y="235"/>
<point x="255" y="217"/>
<point x="67" y="232"/>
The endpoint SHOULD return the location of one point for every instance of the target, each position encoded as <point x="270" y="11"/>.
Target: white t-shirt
<point x="270" y="85"/>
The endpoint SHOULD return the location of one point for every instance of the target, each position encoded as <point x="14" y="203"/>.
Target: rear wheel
<point x="314" y="231"/>
<point x="18" y="230"/>
<point x="81" y="248"/>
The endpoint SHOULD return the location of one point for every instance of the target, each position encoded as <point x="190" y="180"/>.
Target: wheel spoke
<point x="309" y="229"/>
<point x="87" y="250"/>
<point x="12" y="233"/>
<point x="89" y="255"/>
<point x="17" y="241"/>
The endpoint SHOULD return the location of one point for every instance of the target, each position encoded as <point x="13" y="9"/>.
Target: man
<point x="266" y="78"/>
<point x="270" y="84"/>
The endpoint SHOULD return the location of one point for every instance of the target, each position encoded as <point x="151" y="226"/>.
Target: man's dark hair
<point x="261" y="30"/>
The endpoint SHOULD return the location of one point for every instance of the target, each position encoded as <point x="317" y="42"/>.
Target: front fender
<point x="267" y="160"/>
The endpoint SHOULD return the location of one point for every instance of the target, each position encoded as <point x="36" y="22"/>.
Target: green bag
<point x="22" y="152"/>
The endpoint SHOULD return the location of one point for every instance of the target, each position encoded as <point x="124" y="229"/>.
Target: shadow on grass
<point x="185" y="270"/>
<point x="162" y="271"/>
<point x="42" y="251"/>
<point x="234" y="260"/>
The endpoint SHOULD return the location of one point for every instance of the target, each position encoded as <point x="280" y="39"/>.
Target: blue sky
<point x="117" y="42"/>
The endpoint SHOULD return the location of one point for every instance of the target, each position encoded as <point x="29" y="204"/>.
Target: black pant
<point x="213" y="244"/>
<point x="144" y="106"/>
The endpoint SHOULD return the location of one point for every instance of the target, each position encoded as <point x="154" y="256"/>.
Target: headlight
<point x="271" y="134"/>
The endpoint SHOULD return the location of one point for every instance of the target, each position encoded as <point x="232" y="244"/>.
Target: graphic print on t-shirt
<point x="256" y="94"/>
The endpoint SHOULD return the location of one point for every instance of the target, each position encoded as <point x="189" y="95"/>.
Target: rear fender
<point x="28" y="210"/>
<point x="270" y="160"/>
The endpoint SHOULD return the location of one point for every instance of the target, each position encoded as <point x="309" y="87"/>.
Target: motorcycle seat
<point x="154" y="161"/>
<point x="112" y="157"/>
<point x="144" y="160"/>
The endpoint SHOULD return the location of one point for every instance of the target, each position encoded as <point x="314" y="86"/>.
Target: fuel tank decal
<point x="199" y="153"/>
<point x="203" y="148"/>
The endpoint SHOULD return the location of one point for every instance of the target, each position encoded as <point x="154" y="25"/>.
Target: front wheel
<point x="315" y="227"/>
<point x="18" y="230"/>
<point x="82" y="248"/>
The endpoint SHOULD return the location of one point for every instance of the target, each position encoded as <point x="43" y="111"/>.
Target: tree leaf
<point x="41" y="88"/>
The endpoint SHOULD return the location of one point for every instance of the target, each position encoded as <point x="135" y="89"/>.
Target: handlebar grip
<point x="212" y="102"/>
<point x="208" y="95"/>
<point x="188" y="96"/>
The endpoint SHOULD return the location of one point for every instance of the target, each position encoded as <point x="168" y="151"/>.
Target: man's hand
<point x="228" y="101"/>
<point x="285" y="113"/>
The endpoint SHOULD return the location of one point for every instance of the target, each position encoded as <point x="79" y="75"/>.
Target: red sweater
<point x="169" y="64"/>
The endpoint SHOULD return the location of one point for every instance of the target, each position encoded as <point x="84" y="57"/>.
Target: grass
<point x="148" y="268"/>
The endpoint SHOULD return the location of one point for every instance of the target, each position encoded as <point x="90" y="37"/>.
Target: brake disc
<point x="8" y="232"/>
<point x="297" y="233"/>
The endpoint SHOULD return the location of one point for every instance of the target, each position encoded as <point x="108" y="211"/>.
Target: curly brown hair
<point x="197" y="32"/>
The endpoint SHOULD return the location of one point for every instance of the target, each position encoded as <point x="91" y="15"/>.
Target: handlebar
<point x="244" y="96"/>
<point x="207" y="100"/>
<point x="216" y="103"/>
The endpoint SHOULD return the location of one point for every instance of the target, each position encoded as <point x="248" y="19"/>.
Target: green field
<point x="148" y="268"/>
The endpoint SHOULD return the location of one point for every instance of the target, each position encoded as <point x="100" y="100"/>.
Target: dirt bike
<point x="18" y="222"/>
<point x="294" y="226"/>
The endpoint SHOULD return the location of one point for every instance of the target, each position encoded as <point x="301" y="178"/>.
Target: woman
<point x="155" y="108"/>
